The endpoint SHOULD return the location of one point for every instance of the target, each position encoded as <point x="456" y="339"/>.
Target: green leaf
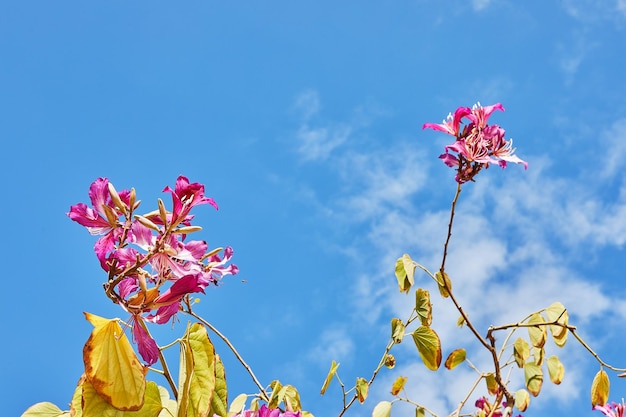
<point x="202" y="385"/>
<point x="423" y="307"/>
<point x="522" y="400"/>
<point x="405" y="271"/>
<point x="556" y="370"/>
<point x="331" y="373"/>
<point x="398" y="385"/>
<point x="537" y="334"/>
<point x="397" y="330"/>
<point x="382" y="409"/>
<point x="219" y="402"/>
<point x="44" y="409"/>
<point x="361" y="389"/>
<point x="600" y="388"/>
<point x="455" y="358"/>
<point x="521" y="352"/>
<point x="428" y="346"/>
<point x="492" y="384"/>
<point x="557" y="313"/>
<point x="533" y="375"/>
<point x="445" y="285"/>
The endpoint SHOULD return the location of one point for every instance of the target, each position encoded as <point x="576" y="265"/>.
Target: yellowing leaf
<point x="423" y="307"/>
<point x="405" y="271"/>
<point x="521" y="352"/>
<point x="390" y="361"/>
<point x="538" y="354"/>
<point x="219" y="402"/>
<point x="275" y="397"/>
<point x="556" y="370"/>
<point x="558" y="314"/>
<point x="455" y="358"/>
<point x="112" y="367"/>
<point x="331" y="373"/>
<point x="185" y="374"/>
<point x="600" y="388"/>
<point x="169" y="405"/>
<point x="537" y="334"/>
<point x="361" y="389"/>
<point x="291" y="398"/>
<point x="428" y="346"/>
<point x="76" y="406"/>
<point x="397" y="330"/>
<point x="382" y="409"/>
<point x="420" y="412"/>
<point x="445" y="285"/>
<point x="492" y="384"/>
<point x="202" y="386"/>
<point x="533" y="375"/>
<point x="44" y="409"/>
<point x="237" y="405"/>
<point x="398" y="385"/>
<point x="522" y="400"/>
<point x="95" y="406"/>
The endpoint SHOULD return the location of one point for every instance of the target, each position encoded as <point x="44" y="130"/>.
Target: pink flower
<point x="612" y="410"/>
<point x="146" y="345"/>
<point x="264" y="411"/>
<point x="185" y="196"/>
<point x="451" y="124"/>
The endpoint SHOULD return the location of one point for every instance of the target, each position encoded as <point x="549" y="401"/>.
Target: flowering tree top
<point x="477" y="144"/>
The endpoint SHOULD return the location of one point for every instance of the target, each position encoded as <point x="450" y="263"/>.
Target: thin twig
<point x="264" y="395"/>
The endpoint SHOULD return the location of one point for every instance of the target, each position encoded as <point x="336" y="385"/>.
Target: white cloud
<point x="480" y="4"/>
<point x="318" y="143"/>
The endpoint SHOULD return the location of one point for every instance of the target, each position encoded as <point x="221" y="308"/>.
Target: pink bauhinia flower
<point x="185" y="196"/>
<point x="477" y="144"/>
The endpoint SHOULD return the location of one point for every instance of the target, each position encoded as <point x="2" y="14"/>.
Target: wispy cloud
<point x="480" y="4"/>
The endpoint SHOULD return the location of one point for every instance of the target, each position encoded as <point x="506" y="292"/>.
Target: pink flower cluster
<point x="477" y="144"/>
<point x="267" y="412"/>
<point x="151" y="266"/>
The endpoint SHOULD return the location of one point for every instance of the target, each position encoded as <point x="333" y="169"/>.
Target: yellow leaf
<point x="361" y="389"/>
<point x="533" y="375"/>
<point x="445" y="285"/>
<point x="44" y="409"/>
<point x="423" y="307"/>
<point x="556" y="370"/>
<point x="76" y="406"/>
<point x="169" y="405"/>
<point x="390" y="361"/>
<point x="538" y="354"/>
<point x="537" y="334"/>
<point x="397" y="330"/>
<point x="185" y="373"/>
<point x="95" y="406"/>
<point x="112" y="367"/>
<point x="521" y="352"/>
<point x="428" y="346"/>
<point x="202" y="385"/>
<point x="420" y="412"/>
<point x="398" y="385"/>
<point x="600" y="388"/>
<point x="522" y="400"/>
<point x="238" y="404"/>
<point x="382" y="409"/>
<point x="557" y="313"/>
<point x="492" y="384"/>
<point x="455" y="358"/>
<point x="331" y="373"/>
<point x="405" y="271"/>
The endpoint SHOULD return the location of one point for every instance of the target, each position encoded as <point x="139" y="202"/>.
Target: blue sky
<point x="304" y="121"/>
